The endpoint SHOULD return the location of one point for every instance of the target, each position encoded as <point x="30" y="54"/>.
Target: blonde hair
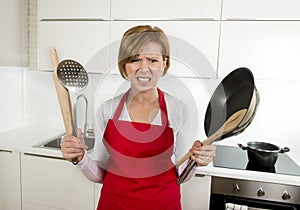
<point x="135" y="38"/>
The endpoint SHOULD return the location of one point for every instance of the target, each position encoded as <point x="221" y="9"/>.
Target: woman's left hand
<point x="203" y="155"/>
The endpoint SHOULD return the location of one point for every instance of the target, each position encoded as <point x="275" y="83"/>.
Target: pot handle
<point x="284" y="149"/>
<point x="242" y="146"/>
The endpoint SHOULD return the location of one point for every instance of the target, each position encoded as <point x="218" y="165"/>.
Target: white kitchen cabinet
<point x="167" y="10"/>
<point x="270" y="49"/>
<point x="69" y="9"/>
<point x="261" y="10"/>
<point x="10" y="184"/>
<point x="13" y="40"/>
<point x="194" y="45"/>
<point x="54" y="184"/>
<point x="195" y="194"/>
<point x="78" y="40"/>
<point x="98" y="188"/>
<point x="28" y="206"/>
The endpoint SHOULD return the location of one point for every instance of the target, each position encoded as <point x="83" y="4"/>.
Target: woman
<point x="139" y="134"/>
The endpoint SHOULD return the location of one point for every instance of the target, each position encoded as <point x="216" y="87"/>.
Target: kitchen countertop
<point x="24" y="138"/>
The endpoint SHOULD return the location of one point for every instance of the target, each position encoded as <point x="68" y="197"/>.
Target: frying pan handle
<point x="283" y="150"/>
<point x="186" y="171"/>
<point x="242" y="147"/>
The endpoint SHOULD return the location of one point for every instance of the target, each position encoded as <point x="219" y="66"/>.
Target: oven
<point x="228" y="193"/>
<point x="243" y="194"/>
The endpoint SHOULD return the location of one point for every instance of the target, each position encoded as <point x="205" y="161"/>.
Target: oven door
<point x="227" y="202"/>
<point x="231" y="194"/>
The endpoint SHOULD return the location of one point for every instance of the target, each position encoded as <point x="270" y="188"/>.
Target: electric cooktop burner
<point x="236" y="158"/>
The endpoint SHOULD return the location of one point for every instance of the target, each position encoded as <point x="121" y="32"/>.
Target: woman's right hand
<point x="73" y="147"/>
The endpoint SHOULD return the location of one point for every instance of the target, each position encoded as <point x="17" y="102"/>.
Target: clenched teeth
<point x="144" y="79"/>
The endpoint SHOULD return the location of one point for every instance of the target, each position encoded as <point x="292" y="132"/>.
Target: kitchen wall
<point x="41" y="107"/>
<point x="13" y="47"/>
<point x="276" y="119"/>
<point x="11" y="92"/>
<point x="271" y="54"/>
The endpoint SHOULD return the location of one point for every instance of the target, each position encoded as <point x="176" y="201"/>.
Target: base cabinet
<point x="52" y="184"/>
<point x="98" y="188"/>
<point x="195" y="194"/>
<point x="28" y="206"/>
<point x="10" y="184"/>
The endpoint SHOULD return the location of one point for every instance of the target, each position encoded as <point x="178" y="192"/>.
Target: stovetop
<point x="236" y="158"/>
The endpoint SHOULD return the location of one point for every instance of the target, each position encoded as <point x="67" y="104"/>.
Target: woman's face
<point x="146" y="68"/>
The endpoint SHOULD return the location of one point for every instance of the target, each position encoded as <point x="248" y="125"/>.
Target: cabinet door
<point x="55" y="183"/>
<point x="195" y="194"/>
<point x="257" y="9"/>
<point x="194" y="45"/>
<point x="269" y="48"/>
<point x="28" y="206"/>
<point x="98" y="188"/>
<point x="69" y="9"/>
<point x="10" y="181"/>
<point x="13" y="40"/>
<point x="167" y="9"/>
<point x="78" y="40"/>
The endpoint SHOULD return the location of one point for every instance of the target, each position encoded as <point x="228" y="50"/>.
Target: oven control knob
<point x="236" y="188"/>
<point x="286" y="196"/>
<point x="261" y="192"/>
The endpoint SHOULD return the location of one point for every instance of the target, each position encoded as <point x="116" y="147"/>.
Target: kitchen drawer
<point x="270" y="49"/>
<point x="69" y="9"/>
<point x="168" y="9"/>
<point x="78" y="40"/>
<point x="55" y="183"/>
<point x="29" y="206"/>
<point x="10" y="180"/>
<point x="261" y="10"/>
<point x="194" y="45"/>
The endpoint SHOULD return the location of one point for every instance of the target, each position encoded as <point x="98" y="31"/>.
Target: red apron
<point x="140" y="174"/>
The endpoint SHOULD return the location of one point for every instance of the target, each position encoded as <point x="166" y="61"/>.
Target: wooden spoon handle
<point x="63" y="95"/>
<point x="184" y="158"/>
<point x="231" y="123"/>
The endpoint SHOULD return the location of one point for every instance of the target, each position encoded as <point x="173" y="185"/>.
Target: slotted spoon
<point x="74" y="77"/>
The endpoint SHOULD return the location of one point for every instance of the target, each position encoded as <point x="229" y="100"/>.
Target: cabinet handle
<point x="5" y="151"/>
<point x="70" y="19"/>
<point x="44" y="156"/>
<point x="199" y="175"/>
<point x="238" y="19"/>
<point x="163" y="19"/>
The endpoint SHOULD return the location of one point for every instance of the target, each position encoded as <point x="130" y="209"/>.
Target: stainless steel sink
<point x="54" y="143"/>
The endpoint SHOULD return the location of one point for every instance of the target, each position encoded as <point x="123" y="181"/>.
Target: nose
<point x="144" y="64"/>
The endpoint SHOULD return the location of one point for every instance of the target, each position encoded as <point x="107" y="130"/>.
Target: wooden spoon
<point x="62" y="94"/>
<point x="63" y="99"/>
<point x="231" y="123"/>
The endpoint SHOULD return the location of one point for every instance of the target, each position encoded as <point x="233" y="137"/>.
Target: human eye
<point x="135" y="60"/>
<point x="153" y="60"/>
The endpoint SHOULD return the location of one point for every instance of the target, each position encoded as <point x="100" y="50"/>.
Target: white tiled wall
<point x="11" y="98"/>
<point x="276" y="119"/>
<point x="41" y="105"/>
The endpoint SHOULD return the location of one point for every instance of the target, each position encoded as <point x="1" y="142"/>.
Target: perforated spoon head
<point x="72" y="75"/>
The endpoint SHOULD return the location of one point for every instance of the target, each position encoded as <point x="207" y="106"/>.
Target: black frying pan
<point x="233" y="94"/>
